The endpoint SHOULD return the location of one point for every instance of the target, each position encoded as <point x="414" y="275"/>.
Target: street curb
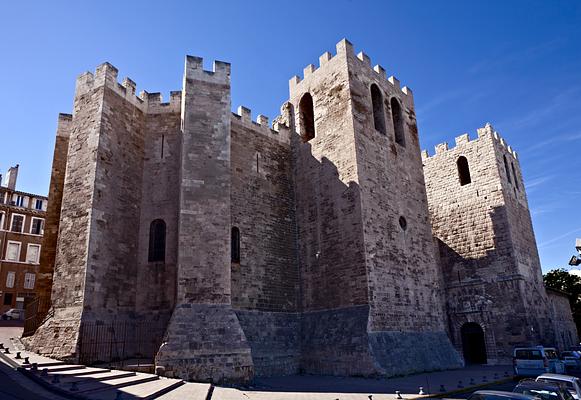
<point x="463" y="390"/>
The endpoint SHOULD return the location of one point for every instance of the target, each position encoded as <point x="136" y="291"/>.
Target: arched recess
<point x="473" y="343"/>
<point x="377" y="106"/>
<point x="156" y="241"/>
<point x="463" y="171"/>
<point x="397" y="119"/>
<point x="307" y="117"/>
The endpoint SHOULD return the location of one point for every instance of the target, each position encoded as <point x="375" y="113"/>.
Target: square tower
<point x="366" y="257"/>
<point x="495" y="296"/>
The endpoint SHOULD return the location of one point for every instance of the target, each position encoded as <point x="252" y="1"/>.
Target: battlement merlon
<point x="483" y="133"/>
<point x="344" y="49"/>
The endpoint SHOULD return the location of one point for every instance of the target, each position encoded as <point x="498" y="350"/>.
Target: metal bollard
<point x="484" y="379"/>
<point x="495" y="376"/>
<point x="6" y="351"/>
<point x="472" y="382"/>
<point x="55" y="379"/>
<point x="460" y="385"/>
<point x="34" y="367"/>
<point x="1" y="345"/>
<point x="506" y="374"/>
<point x="74" y="387"/>
<point x="26" y="361"/>
<point x="442" y="388"/>
<point x="18" y="355"/>
<point x="421" y="393"/>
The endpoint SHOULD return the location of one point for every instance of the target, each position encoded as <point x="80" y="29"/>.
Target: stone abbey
<point x="325" y="244"/>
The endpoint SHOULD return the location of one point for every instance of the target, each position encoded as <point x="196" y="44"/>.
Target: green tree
<point x="561" y="279"/>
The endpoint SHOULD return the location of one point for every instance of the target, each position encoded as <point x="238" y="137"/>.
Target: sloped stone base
<point x="205" y="343"/>
<point x="403" y="353"/>
<point x="58" y="337"/>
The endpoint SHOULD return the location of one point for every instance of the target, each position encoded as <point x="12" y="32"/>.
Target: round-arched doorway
<point x="473" y="346"/>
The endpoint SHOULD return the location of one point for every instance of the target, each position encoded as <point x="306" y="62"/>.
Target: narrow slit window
<point x="377" y="104"/>
<point x="235" y="245"/>
<point x="397" y="119"/>
<point x="157" y="241"/>
<point x="514" y="175"/>
<point x="506" y="169"/>
<point x="463" y="171"/>
<point x="307" y="117"/>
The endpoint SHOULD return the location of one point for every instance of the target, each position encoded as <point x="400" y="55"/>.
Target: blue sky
<point x="516" y="64"/>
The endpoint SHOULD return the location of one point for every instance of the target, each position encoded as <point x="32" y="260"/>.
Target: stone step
<point x="89" y="371"/>
<point x="84" y="379"/>
<point x="62" y="368"/>
<point x="96" y="386"/>
<point x="188" y="391"/>
<point x="148" y="390"/>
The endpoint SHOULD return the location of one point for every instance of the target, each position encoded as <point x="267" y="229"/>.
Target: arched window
<point x="157" y="241"/>
<point x="235" y="245"/>
<point x="506" y="169"/>
<point x="463" y="171"/>
<point x="307" y="117"/>
<point x="377" y="103"/>
<point x="397" y="119"/>
<point x="514" y="175"/>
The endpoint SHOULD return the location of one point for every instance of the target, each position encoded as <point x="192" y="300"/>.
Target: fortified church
<point x="326" y="243"/>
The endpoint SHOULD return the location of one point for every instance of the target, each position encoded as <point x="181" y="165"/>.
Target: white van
<point x="13" y="313"/>
<point x="534" y="361"/>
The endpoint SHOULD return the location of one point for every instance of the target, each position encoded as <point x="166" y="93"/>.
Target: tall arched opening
<point x="473" y="345"/>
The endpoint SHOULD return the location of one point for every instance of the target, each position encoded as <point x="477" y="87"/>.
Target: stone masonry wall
<point x="159" y="194"/>
<point x="265" y="284"/>
<point x="562" y="319"/>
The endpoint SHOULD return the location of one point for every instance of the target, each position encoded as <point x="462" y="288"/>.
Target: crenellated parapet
<point x="106" y="75"/>
<point x="344" y="49"/>
<point x="487" y="131"/>
<point x="276" y="131"/>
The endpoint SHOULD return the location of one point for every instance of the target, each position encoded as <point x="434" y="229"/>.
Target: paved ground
<point x="15" y="386"/>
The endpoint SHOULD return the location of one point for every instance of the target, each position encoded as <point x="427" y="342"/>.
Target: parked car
<point x="13" y="313"/>
<point x="534" y="361"/>
<point x="572" y="383"/>
<point x="543" y="390"/>
<point x="499" y="395"/>
<point x="572" y="359"/>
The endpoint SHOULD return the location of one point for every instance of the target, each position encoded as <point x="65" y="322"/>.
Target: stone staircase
<point x="93" y="383"/>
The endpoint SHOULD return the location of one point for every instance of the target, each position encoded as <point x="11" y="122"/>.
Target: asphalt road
<point x="508" y="387"/>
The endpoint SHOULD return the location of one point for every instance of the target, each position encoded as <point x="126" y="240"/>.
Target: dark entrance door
<point x="473" y="345"/>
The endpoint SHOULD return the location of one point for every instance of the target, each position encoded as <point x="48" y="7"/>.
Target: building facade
<point x="305" y="247"/>
<point x="22" y="218"/>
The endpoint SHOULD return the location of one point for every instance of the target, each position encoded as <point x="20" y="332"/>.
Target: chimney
<point x="11" y="177"/>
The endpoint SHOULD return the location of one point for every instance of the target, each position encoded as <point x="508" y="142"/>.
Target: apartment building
<point x="21" y="228"/>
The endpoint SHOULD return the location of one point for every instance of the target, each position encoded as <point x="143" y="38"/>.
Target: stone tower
<point x="371" y="286"/>
<point x="491" y="267"/>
